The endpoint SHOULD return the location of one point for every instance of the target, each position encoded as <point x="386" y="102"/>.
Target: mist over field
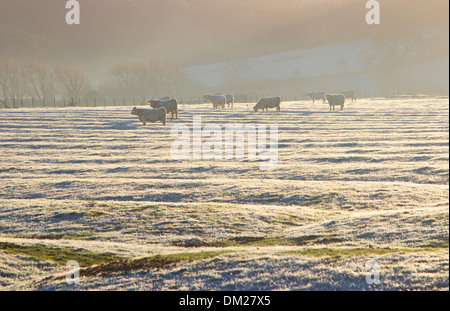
<point x="359" y="179"/>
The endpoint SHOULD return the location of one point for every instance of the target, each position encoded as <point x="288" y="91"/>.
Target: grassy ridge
<point x="153" y="262"/>
<point x="263" y="241"/>
<point x="58" y="255"/>
<point x="336" y="254"/>
<point x="101" y="263"/>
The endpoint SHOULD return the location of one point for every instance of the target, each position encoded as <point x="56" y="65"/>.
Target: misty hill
<point x="332" y="68"/>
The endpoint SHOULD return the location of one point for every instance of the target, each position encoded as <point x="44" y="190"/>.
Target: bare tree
<point x="130" y="79"/>
<point x="177" y="80"/>
<point x="73" y="82"/>
<point x="141" y="76"/>
<point x="170" y="79"/>
<point x="40" y="79"/>
<point x="13" y="80"/>
<point x="122" y="76"/>
<point x="157" y="78"/>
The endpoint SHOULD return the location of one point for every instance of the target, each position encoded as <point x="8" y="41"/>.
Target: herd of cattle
<point x="165" y="105"/>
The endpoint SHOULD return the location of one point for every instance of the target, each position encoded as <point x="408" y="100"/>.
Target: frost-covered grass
<point x="370" y="182"/>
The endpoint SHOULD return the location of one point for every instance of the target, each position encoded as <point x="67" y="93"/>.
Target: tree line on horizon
<point x="27" y="78"/>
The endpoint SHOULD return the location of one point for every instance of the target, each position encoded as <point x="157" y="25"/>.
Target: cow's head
<point x="153" y="103"/>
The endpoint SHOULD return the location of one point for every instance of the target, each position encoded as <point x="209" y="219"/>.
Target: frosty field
<point x="95" y="186"/>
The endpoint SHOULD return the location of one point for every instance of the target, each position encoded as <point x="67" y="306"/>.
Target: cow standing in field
<point x="268" y="102"/>
<point x="217" y="100"/>
<point x="316" y="95"/>
<point x="335" y="100"/>
<point x="350" y="94"/>
<point x="150" y="115"/>
<point x="171" y="105"/>
<point x="230" y="100"/>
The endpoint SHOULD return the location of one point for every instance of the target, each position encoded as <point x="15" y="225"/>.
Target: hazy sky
<point x="195" y="32"/>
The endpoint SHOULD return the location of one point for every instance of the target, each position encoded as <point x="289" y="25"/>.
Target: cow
<point x="230" y="100"/>
<point x="150" y="115"/>
<point x="217" y="100"/>
<point x="335" y="100"/>
<point x="268" y="102"/>
<point x="316" y="95"/>
<point x="171" y="105"/>
<point x="350" y="94"/>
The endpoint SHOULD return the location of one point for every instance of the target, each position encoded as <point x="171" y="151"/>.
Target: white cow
<point x="268" y="102"/>
<point x="316" y="95"/>
<point x="217" y="100"/>
<point x="150" y="115"/>
<point x="171" y="105"/>
<point x="350" y="94"/>
<point x="336" y="100"/>
<point x="230" y="100"/>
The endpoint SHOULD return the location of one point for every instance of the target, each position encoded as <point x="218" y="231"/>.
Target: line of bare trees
<point x="27" y="78"/>
<point x="156" y="78"/>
